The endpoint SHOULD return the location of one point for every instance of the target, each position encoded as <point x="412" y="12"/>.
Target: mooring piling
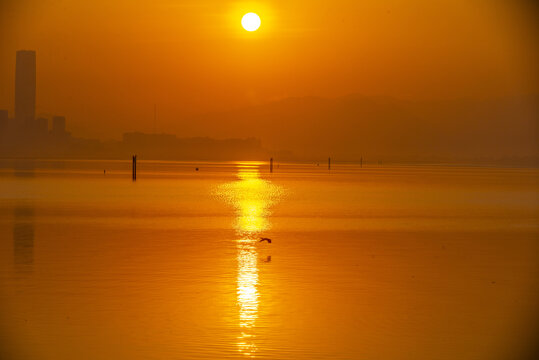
<point x="271" y="165"/>
<point x="134" y="167"/>
<point x="329" y="163"/>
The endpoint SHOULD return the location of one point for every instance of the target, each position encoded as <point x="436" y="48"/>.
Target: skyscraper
<point x="25" y="88"/>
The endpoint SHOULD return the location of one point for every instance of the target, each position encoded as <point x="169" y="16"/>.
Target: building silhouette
<point x="58" y="125"/>
<point x="3" y="121"/>
<point x="41" y="127"/>
<point x="25" y="89"/>
<point x="27" y="136"/>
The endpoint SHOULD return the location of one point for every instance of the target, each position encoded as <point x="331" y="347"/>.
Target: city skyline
<point x="293" y="128"/>
<point x="27" y="136"/>
<point x="24" y="122"/>
<point x="107" y="64"/>
<point x="24" y="134"/>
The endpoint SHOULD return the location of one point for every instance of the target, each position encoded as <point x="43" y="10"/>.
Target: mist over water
<point x="440" y="262"/>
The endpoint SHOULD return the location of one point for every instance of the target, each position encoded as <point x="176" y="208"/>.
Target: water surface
<point x="392" y="262"/>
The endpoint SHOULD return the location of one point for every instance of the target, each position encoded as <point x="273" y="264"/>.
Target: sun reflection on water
<point x="252" y="198"/>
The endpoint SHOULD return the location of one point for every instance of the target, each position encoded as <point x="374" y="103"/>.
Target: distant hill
<point x="382" y="128"/>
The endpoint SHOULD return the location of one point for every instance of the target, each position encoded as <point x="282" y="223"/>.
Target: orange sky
<point x="103" y="64"/>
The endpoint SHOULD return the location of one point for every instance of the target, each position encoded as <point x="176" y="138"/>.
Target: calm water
<point x="374" y="263"/>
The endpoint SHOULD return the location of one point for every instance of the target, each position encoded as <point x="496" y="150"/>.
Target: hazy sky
<point x="104" y="63"/>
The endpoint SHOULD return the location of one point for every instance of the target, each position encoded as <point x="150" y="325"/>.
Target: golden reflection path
<point x="252" y="197"/>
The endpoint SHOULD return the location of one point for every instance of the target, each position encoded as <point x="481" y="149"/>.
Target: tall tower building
<point x="25" y="87"/>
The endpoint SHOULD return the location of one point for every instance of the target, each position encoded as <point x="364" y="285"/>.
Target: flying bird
<point x="265" y="239"/>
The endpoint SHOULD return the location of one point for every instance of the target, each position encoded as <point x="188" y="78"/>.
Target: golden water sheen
<point x="379" y="262"/>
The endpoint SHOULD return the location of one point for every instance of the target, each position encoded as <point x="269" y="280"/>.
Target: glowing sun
<point x="250" y="21"/>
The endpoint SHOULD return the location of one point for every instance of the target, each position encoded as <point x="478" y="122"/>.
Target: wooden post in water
<point x="134" y="167"/>
<point x="361" y="162"/>
<point x="271" y="165"/>
<point x="329" y="163"/>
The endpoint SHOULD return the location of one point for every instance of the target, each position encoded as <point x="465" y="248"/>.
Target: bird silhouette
<point x="265" y="239"/>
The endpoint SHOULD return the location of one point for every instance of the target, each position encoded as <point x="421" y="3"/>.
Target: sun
<point x="250" y="21"/>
